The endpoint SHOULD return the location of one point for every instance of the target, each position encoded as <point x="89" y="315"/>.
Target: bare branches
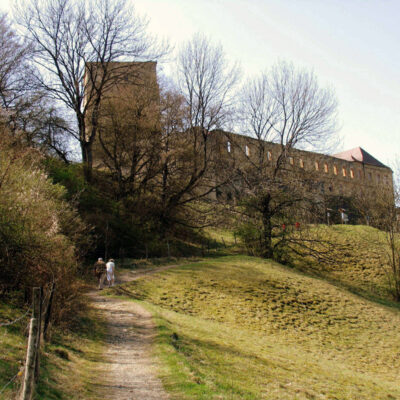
<point x="13" y="65"/>
<point x="286" y="106"/>
<point x="77" y="46"/>
<point x="207" y="82"/>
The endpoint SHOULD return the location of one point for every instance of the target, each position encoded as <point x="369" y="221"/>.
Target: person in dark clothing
<point x="100" y="272"/>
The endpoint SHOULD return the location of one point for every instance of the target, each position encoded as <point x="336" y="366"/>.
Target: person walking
<point x="110" y="272"/>
<point x="100" y="272"/>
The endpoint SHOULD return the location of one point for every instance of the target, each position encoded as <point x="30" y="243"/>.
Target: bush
<point x="38" y="229"/>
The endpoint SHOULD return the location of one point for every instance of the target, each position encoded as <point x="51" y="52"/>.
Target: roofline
<point x="303" y="151"/>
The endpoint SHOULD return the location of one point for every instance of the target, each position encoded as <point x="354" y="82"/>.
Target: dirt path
<point x="128" y="370"/>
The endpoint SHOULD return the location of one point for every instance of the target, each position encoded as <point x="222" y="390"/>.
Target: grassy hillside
<point x="360" y="256"/>
<point x="244" y="328"/>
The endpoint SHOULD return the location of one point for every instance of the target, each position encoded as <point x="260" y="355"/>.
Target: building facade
<point x="352" y="173"/>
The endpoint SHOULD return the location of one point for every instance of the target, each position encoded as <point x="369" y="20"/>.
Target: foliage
<point x="40" y="233"/>
<point x="126" y="227"/>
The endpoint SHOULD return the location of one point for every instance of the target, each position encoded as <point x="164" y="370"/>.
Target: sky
<point x="351" y="45"/>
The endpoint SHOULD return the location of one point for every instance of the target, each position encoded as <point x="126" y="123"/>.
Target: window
<point x="344" y="172"/>
<point x="269" y="156"/>
<point x="291" y="160"/>
<point x="335" y="169"/>
<point x="351" y="173"/>
<point x="247" y="150"/>
<point x="326" y="168"/>
<point x="316" y="165"/>
<point x="369" y="176"/>
<point x="301" y="162"/>
<point x="385" y="179"/>
<point x="228" y="146"/>
<point x="378" y="178"/>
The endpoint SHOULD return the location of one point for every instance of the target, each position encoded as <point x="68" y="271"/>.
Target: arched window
<point x="335" y="169"/>
<point x="326" y="168"/>
<point x="228" y="146"/>
<point x="247" y="150"/>
<point x="301" y="163"/>
<point x="316" y="165"/>
<point x="351" y="173"/>
<point x="344" y="172"/>
<point x="269" y="156"/>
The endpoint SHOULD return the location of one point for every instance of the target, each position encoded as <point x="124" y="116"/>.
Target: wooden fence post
<point x="27" y="388"/>
<point x="31" y="353"/>
<point x="39" y="317"/>
<point x="47" y="313"/>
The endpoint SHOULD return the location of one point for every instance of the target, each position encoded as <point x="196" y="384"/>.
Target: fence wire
<point x="19" y="373"/>
<point x="18" y="319"/>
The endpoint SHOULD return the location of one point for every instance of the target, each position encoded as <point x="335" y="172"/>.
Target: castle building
<point x="135" y="92"/>
<point x="344" y="173"/>
<point x="129" y="103"/>
<point x="350" y="180"/>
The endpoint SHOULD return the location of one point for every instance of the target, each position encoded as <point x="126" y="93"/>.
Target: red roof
<point x="360" y="155"/>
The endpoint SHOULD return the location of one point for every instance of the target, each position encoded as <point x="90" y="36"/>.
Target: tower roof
<point x="360" y="155"/>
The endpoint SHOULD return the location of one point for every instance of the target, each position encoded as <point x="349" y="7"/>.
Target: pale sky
<point x="351" y="45"/>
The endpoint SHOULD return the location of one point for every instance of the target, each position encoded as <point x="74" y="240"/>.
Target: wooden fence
<point x="38" y="329"/>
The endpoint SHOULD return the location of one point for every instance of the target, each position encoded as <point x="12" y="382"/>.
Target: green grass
<point x="12" y="347"/>
<point x="244" y="328"/>
<point x="67" y="361"/>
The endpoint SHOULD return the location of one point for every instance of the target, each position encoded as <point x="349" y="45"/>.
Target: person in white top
<point x="110" y="272"/>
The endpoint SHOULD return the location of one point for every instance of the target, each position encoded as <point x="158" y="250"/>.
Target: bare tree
<point x="287" y="107"/>
<point x="130" y="140"/>
<point x="203" y="101"/>
<point x="391" y="225"/>
<point x="384" y="213"/>
<point x="75" y="45"/>
<point x="14" y="66"/>
<point x="15" y="76"/>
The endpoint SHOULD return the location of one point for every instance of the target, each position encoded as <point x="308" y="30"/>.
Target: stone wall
<point x="335" y="176"/>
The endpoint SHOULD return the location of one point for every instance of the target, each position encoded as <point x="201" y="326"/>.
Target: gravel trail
<point x="128" y="370"/>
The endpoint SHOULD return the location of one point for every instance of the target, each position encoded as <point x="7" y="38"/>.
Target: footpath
<point x="128" y="370"/>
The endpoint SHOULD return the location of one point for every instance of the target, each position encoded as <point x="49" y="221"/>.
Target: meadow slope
<point x="239" y="327"/>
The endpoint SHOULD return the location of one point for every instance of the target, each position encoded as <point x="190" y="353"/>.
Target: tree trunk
<point x="266" y="240"/>
<point x="87" y="159"/>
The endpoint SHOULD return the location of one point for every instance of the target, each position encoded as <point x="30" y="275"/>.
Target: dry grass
<point x="360" y="260"/>
<point x="245" y="328"/>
